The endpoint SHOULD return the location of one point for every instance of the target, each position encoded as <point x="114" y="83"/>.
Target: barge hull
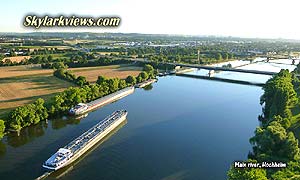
<point x="105" y="100"/>
<point x="97" y="139"/>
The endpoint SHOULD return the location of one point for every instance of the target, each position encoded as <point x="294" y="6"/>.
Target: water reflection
<point x="27" y="134"/>
<point x="148" y="87"/>
<point x="2" y="149"/>
<point x="60" y="123"/>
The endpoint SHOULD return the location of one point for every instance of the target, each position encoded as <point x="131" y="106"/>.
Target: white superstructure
<point x="80" y="145"/>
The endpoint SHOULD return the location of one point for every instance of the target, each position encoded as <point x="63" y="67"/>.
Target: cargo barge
<point x="82" y="108"/>
<point x="145" y="83"/>
<point x="68" y="154"/>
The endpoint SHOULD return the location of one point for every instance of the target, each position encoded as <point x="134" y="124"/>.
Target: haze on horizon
<point x="249" y="18"/>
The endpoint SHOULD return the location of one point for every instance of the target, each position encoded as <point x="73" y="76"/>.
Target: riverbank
<point x="22" y="116"/>
<point x="156" y="118"/>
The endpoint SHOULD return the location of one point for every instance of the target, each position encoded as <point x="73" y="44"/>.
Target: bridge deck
<point x="211" y="67"/>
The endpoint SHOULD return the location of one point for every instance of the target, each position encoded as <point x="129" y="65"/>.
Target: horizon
<point x="175" y="35"/>
<point x="247" y="19"/>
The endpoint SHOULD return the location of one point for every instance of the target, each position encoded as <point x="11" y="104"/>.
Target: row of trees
<point x="46" y="51"/>
<point x="102" y="61"/>
<point x="103" y="86"/>
<point x="205" y="58"/>
<point x="273" y="140"/>
<point x="27" y="115"/>
<point x="46" y="59"/>
<point x="33" y="60"/>
<point x="69" y="76"/>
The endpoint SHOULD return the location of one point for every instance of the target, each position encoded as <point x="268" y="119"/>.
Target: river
<point x="178" y="128"/>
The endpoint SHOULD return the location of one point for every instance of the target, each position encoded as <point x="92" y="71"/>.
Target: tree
<point x="131" y="80"/>
<point x="218" y="56"/>
<point x="278" y="94"/>
<point x="60" y="73"/>
<point x="26" y="115"/>
<point x="59" y="65"/>
<point x="122" y="84"/>
<point x="274" y="143"/>
<point x="50" y="58"/>
<point x="101" y="80"/>
<point x="139" y="78"/>
<point x="247" y="173"/>
<point x="40" y="110"/>
<point x="81" y="80"/>
<point x="148" y="68"/>
<point x="225" y="56"/>
<point x="2" y="128"/>
<point x="144" y="75"/>
<point x="113" y="84"/>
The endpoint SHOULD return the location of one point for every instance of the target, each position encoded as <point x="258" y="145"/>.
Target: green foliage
<point x="148" y="68"/>
<point x="218" y="56"/>
<point x="80" y="80"/>
<point x="285" y="122"/>
<point x="26" y="115"/>
<point x="2" y="128"/>
<point x="150" y="71"/>
<point x="122" y="84"/>
<point x="142" y="77"/>
<point x="274" y="143"/>
<point x="59" y="65"/>
<point x="67" y="99"/>
<point x="33" y="113"/>
<point x="101" y="80"/>
<point x="113" y="84"/>
<point x="247" y="173"/>
<point x="130" y="80"/>
<point x="74" y="95"/>
<point x="278" y="95"/>
<point x="68" y="76"/>
<point x="292" y="172"/>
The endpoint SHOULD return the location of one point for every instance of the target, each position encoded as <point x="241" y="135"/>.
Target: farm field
<point x="26" y="70"/>
<point x="21" y="85"/>
<point x="16" y="58"/>
<point x="20" y="90"/>
<point x="113" y="71"/>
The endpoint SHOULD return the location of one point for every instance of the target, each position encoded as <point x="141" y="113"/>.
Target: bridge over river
<point x="210" y="67"/>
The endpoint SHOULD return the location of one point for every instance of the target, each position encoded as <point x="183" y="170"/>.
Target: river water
<point x="178" y="128"/>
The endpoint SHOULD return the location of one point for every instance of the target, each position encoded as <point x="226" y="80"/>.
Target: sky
<point x="239" y="18"/>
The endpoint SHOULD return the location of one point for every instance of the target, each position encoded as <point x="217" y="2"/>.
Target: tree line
<point x="274" y="140"/>
<point x="46" y="59"/>
<point x="67" y="75"/>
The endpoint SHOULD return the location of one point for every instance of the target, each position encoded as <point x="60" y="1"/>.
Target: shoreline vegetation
<point x="31" y="114"/>
<point x="20" y="85"/>
<point x="275" y="140"/>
